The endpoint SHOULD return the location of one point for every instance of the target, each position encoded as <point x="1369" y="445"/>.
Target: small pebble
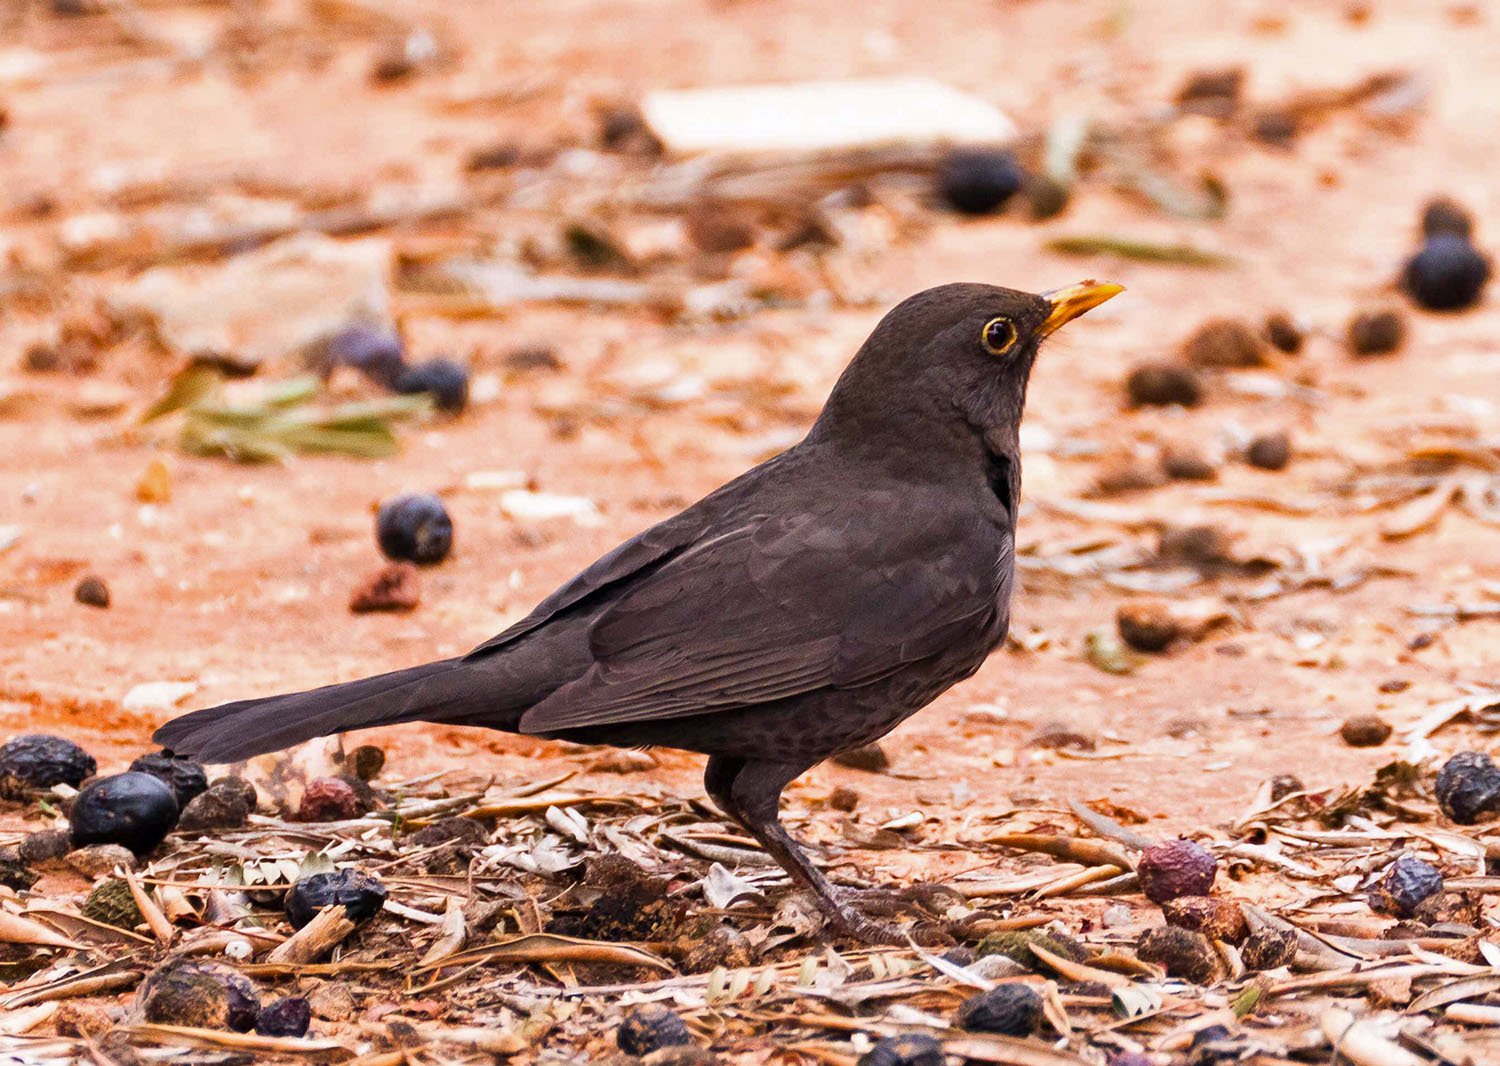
<point x="1224" y="342"/>
<point x="91" y="591"/>
<point x="871" y="758"/>
<point x="394" y="587"/>
<point x="1443" y="215"/>
<point x="1146" y="625"/>
<point x="843" y="799"/>
<point x="1161" y="384"/>
<point x="1284" y="333"/>
<point x="978" y="181"/>
<point x="1215" y="93"/>
<point x="366" y="761"/>
<point x="99" y="860"/>
<point x="1365" y="731"/>
<point x="1183" y="462"/>
<point x="1270" y="451"/>
<point x="1376" y="332"/>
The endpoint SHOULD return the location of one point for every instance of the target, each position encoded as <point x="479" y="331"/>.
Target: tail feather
<point x="436" y="692"/>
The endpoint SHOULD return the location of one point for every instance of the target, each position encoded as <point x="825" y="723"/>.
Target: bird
<point x="805" y="608"/>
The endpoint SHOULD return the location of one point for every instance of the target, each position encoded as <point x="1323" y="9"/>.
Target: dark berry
<point x="414" y="527"/>
<point x="1162" y="384"/>
<point x="361" y="895"/>
<point x="1224" y="342"/>
<point x="1146" y="625"/>
<point x="226" y="804"/>
<point x="1012" y="1009"/>
<point x="184" y="777"/>
<point x="132" y="809"/>
<point x="288" y="1016"/>
<point x="650" y="1028"/>
<point x="1405" y="885"/>
<point x="1447" y="273"/>
<point x="1213" y="916"/>
<point x="870" y="758"/>
<point x="1468" y="787"/>
<point x="374" y="351"/>
<point x="1176" y="868"/>
<point x="445" y="380"/>
<point x="913" y="1049"/>
<point x="38" y="761"/>
<point x="366" y="761"/>
<point x="977" y="181"/>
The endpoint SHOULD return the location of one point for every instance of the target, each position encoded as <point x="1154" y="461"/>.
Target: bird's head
<point x="951" y="364"/>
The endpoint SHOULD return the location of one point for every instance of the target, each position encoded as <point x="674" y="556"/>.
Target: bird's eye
<point x="999" y="334"/>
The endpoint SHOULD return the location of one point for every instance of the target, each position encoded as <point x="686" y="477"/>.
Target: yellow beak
<point x="1070" y="301"/>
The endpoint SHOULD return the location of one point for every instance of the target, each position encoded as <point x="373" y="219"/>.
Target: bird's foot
<point x="925" y="902"/>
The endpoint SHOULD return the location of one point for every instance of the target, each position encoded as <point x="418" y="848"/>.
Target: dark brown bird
<point x="803" y="609"/>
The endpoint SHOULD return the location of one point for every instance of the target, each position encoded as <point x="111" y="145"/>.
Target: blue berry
<point x="415" y="528"/>
<point x="447" y="381"/>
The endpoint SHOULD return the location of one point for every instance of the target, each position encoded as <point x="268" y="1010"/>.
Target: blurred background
<point x="567" y="266"/>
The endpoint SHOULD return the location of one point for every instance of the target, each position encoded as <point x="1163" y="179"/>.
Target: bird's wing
<point x="783" y="604"/>
<point x="629" y="560"/>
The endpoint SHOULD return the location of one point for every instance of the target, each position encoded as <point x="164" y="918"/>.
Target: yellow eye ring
<point x="998" y="336"/>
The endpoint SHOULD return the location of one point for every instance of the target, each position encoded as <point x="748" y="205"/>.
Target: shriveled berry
<point x="36" y="761"/>
<point x="1268" y="949"/>
<point x="1161" y="384"/>
<point x="977" y="181"/>
<point x="649" y="1028"/>
<point x="1176" y="868"/>
<point x="1446" y="274"/>
<point x="1468" y="787"/>
<point x="1365" y="731"/>
<point x="445" y="380"/>
<point x="1224" y="342"/>
<point x="1284" y="333"/>
<point x="1012" y="1009"/>
<point x="908" y="1049"/>
<point x="91" y="591"/>
<point x="288" y="1016"/>
<point x="361" y="895"/>
<point x="414" y="527"/>
<point x="328" y="799"/>
<point x="134" y="810"/>
<point x="1214" y="917"/>
<point x="1147" y="625"/>
<point x="1405" y="885"/>
<point x="200" y="994"/>
<point x="1182" y="952"/>
<point x="1016" y="944"/>
<point x="1376" y="332"/>
<point x="184" y="777"/>
<point x="455" y="829"/>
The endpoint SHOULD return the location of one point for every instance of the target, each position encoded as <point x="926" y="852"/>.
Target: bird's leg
<point x="749" y="791"/>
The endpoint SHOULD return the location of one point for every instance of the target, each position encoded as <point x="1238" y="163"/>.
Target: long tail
<point x="443" y="691"/>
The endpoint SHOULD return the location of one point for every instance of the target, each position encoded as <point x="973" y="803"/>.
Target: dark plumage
<point x="805" y="608"/>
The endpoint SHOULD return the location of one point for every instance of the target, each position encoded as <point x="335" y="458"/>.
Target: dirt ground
<point x="240" y="582"/>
